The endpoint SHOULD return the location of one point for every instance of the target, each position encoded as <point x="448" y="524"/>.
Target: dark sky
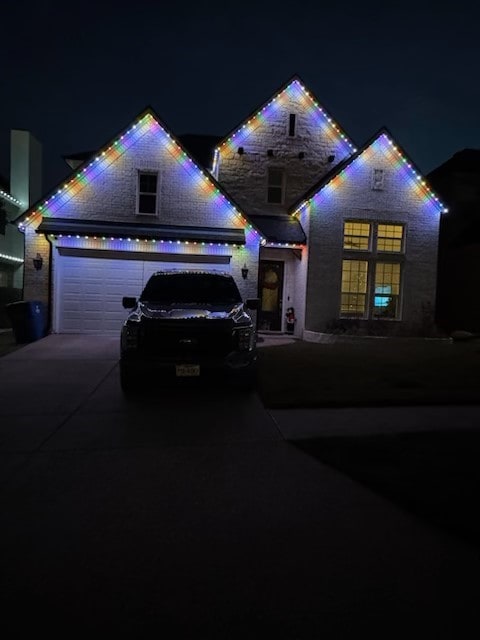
<point x="75" y="73"/>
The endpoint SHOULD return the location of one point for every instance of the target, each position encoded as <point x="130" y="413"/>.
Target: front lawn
<point x="370" y="371"/>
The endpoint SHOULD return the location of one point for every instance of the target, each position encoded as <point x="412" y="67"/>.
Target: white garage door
<point x="89" y="291"/>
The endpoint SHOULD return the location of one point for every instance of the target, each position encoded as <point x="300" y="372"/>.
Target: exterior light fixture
<point x="38" y="262"/>
<point x="244" y="271"/>
<point x="270" y="153"/>
<point x="240" y="151"/>
<point x="301" y="155"/>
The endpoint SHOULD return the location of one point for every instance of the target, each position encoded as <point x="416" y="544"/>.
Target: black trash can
<point x="29" y="320"/>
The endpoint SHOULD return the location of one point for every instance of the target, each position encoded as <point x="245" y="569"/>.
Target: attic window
<point x="378" y="179"/>
<point x="291" y="124"/>
<point x="147" y="193"/>
<point x="276" y="184"/>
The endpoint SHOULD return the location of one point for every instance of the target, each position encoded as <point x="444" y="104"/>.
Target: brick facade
<point x="312" y="273"/>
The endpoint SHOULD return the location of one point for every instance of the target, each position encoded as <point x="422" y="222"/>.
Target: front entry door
<point x="270" y="288"/>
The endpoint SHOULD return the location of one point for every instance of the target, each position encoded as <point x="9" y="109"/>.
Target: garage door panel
<point x="89" y="290"/>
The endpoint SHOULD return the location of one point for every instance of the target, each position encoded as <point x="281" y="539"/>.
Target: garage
<point x="90" y="284"/>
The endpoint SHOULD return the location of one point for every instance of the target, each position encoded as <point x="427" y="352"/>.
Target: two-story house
<point x="302" y="219"/>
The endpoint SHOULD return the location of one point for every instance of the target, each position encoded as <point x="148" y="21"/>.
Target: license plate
<point x="187" y="370"/>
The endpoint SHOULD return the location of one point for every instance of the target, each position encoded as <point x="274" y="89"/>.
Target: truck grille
<point x="189" y="339"/>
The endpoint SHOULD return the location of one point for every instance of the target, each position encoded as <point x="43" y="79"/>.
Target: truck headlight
<point x="245" y="338"/>
<point x="130" y="336"/>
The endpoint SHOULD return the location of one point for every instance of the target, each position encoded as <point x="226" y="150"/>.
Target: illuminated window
<point x="356" y="236"/>
<point x="390" y="238"/>
<point x="371" y="287"/>
<point x="354" y="288"/>
<point x="275" y="187"/>
<point x="387" y="290"/>
<point x="147" y="193"/>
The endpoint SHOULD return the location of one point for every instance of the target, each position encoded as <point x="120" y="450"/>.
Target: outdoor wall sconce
<point x="244" y="271"/>
<point x="240" y="151"/>
<point x="301" y="155"/>
<point x="38" y="262"/>
<point x="270" y="153"/>
<point x="331" y="158"/>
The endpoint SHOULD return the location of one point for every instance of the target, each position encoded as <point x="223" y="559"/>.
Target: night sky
<point x="76" y="73"/>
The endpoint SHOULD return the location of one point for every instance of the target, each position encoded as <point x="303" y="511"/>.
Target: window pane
<point x="147" y="203"/>
<point x="387" y="290"/>
<point x="275" y="177"/>
<point x="390" y="237"/>
<point x="356" y="236"/>
<point x="354" y="287"/>
<point x="274" y="195"/>
<point x="148" y="183"/>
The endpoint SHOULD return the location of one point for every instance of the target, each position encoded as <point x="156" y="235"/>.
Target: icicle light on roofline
<point x="10" y="198"/>
<point x="295" y="87"/>
<point x="338" y="178"/>
<point x="5" y="256"/>
<point x="111" y="153"/>
<point x="150" y="241"/>
<point x="284" y="245"/>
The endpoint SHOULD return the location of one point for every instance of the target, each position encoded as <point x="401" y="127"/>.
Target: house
<point x="300" y="217"/>
<point x="457" y="181"/>
<point x="23" y="188"/>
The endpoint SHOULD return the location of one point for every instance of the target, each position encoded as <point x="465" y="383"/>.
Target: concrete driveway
<point x="189" y="512"/>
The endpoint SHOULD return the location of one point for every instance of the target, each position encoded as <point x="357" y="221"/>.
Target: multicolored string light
<point x="385" y="145"/>
<point x="148" y="123"/>
<point x="297" y="92"/>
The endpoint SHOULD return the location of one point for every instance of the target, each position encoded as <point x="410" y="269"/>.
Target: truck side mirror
<point x="252" y="303"/>
<point x="128" y="303"/>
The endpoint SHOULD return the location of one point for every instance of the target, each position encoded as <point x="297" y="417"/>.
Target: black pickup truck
<point x="188" y="325"/>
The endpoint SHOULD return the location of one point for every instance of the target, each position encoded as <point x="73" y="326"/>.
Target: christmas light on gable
<point x="317" y="115"/>
<point x="403" y="167"/>
<point x="91" y="169"/>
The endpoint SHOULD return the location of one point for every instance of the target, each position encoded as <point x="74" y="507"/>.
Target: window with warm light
<point x="356" y="236"/>
<point x="371" y="285"/>
<point x="147" y="195"/>
<point x="390" y="238"/>
<point x="354" y="288"/>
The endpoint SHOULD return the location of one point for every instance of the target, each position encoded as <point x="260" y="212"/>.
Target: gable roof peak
<point x="263" y="110"/>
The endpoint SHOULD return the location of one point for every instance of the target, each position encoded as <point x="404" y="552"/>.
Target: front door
<point x="270" y="288"/>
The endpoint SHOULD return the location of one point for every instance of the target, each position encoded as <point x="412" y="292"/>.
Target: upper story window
<point x="375" y="236"/>
<point x="390" y="238"/>
<point x="356" y="236"/>
<point x="147" y="193"/>
<point x="292" y="123"/>
<point x="275" y="185"/>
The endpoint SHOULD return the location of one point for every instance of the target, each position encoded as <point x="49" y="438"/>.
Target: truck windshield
<point x="190" y="288"/>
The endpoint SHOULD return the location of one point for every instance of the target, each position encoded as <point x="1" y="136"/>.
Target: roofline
<point x="347" y="161"/>
<point x="148" y="110"/>
<point x="281" y="89"/>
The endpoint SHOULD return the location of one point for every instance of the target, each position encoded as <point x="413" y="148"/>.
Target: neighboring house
<point x="298" y="216"/>
<point x="23" y="188"/>
<point x="458" y="182"/>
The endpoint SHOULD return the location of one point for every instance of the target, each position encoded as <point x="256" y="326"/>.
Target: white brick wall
<point x="245" y="176"/>
<point x="399" y="202"/>
<point x="184" y="200"/>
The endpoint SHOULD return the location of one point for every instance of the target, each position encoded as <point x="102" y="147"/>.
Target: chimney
<point x="25" y="167"/>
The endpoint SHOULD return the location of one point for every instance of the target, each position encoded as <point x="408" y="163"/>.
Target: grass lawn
<point x="370" y="371"/>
